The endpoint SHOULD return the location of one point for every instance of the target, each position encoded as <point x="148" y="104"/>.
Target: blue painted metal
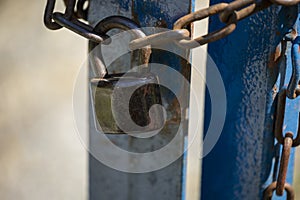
<point x="241" y="162"/>
<point x="295" y="78"/>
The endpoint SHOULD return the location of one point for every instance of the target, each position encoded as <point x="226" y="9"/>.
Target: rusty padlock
<point x="115" y="112"/>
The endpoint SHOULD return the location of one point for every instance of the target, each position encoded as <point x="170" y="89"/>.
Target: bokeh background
<point x="41" y="156"/>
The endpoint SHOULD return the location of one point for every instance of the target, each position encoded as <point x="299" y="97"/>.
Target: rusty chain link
<point x="268" y="193"/>
<point x="202" y="14"/>
<point x="242" y="9"/>
<point x="284" y="162"/>
<point x="278" y="130"/>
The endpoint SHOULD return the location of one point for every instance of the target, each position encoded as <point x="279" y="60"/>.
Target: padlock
<point x="110" y="110"/>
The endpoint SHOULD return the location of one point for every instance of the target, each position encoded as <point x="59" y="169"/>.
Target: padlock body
<point x="110" y="105"/>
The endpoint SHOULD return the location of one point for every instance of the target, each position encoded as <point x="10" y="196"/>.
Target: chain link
<point x="82" y="10"/>
<point x="281" y="105"/>
<point x="242" y="9"/>
<point x="268" y="193"/>
<point x="295" y="79"/>
<point x="202" y="14"/>
<point x="284" y="162"/>
<point x="159" y="38"/>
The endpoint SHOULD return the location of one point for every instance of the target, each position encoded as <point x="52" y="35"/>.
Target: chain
<point x="268" y="193"/>
<point x="70" y="19"/>
<point x="82" y="10"/>
<point x="230" y="14"/>
<point x="295" y="79"/>
<point x="287" y="141"/>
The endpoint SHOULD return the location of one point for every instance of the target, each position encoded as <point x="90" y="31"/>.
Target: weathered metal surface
<point x="107" y="104"/>
<point x="238" y="10"/>
<point x="241" y="162"/>
<point x="229" y="14"/>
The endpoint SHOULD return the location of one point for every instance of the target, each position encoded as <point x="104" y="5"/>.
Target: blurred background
<point x="41" y="156"/>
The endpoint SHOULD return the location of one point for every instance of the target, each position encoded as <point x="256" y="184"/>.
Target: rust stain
<point x="161" y="23"/>
<point x="278" y="33"/>
<point x="294" y="33"/>
<point x="275" y="90"/>
<point x="133" y="13"/>
<point x="274" y="57"/>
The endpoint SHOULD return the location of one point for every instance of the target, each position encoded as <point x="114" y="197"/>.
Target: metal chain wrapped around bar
<point x="230" y="14"/>
<point x="288" y="141"/>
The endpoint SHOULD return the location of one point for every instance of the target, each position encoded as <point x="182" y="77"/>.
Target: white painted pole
<point x="194" y="153"/>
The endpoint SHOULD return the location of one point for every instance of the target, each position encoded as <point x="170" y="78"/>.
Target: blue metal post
<point x="241" y="162"/>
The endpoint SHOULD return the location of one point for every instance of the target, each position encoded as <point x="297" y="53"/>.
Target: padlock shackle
<point x="126" y="24"/>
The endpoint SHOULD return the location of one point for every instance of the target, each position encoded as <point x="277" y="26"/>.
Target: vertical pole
<point x="194" y="157"/>
<point x="166" y="183"/>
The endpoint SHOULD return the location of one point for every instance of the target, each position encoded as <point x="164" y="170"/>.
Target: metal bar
<point x="194" y="152"/>
<point x="241" y="162"/>
<point x="166" y="183"/>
